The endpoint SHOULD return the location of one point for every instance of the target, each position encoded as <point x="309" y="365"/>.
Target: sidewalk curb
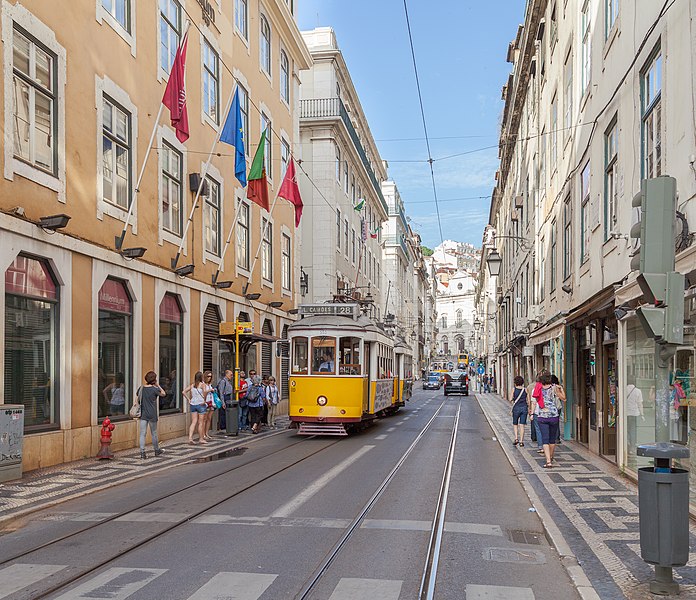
<point x="568" y="559"/>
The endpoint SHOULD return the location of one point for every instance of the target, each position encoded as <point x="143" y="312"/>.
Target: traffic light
<point x="662" y="287"/>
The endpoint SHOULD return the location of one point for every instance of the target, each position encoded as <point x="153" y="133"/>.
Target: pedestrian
<point x="486" y="384"/>
<point x="561" y="395"/>
<point x="115" y="395"/>
<point x="149" y="396"/>
<point x="225" y="389"/>
<point x="209" y="403"/>
<point x="264" y="383"/>
<point x="272" y="398"/>
<point x="533" y="391"/>
<point x="519" y="410"/>
<point x="256" y="397"/>
<point x="243" y="405"/>
<point x="545" y="407"/>
<point x="196" y="394"/>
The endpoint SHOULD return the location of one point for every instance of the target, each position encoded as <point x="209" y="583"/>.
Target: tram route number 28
<point x="346" y="310"/>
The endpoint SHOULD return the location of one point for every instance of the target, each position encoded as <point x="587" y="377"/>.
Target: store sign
<point x="113" y="297"/>
<point x="343" y="310"/>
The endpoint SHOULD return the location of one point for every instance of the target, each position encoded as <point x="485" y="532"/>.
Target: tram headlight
<point x="322" y="400"/>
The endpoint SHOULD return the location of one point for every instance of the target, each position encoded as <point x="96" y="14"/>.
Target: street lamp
<point x="477" y="324"/>
<point x="494" y="261"/>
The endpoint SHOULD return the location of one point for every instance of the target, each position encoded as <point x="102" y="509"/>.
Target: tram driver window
<point x="349" y="356"/>
<point x="323" y="353"/>
<point x="299" y="355"/>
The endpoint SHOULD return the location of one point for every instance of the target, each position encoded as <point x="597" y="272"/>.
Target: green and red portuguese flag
<point x="257" y="185"/>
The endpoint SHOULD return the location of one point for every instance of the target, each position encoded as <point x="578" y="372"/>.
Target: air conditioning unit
<point x="520" y="323"/>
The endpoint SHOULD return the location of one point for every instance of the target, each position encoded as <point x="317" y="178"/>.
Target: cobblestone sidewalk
<point x="595" y="508"/>
<point x="46" y="487"/>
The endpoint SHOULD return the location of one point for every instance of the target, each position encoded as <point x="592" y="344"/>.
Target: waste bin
<point x="232" y="418"/>
<point x="663" y="506"/>
<point x="11" y="437"/>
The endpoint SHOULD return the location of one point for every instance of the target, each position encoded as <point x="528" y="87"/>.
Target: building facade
<point x="83" y="322"/>
<point x="600" y="96"/>
<point x="344" y="206"/>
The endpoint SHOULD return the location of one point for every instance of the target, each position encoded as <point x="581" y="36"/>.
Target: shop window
<point x="115" y="349"/>
<point x="299" y="355"/>
<point x="349" y="356"/>
<point x="31" y="320"/>
<point x="170" y="353"/>
<point x="323" y="353"/>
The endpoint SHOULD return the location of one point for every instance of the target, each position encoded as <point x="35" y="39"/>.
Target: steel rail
<point x="427" y="587"/>
<point x="311" y="583"/>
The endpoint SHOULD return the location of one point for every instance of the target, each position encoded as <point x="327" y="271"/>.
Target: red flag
<point x="290" y="191"/>
<point x="175" y="93"/>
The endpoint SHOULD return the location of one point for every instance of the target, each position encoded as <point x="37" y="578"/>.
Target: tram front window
<point x="349" y="356"/>
<point x="323" y="353"/>
<point x="299" y="355"/>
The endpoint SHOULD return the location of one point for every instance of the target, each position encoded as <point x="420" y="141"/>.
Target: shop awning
<point x="599" y="301"/>
<point x="546" y="333"/>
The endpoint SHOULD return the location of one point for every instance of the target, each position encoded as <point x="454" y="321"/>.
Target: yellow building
<point x="83" y="323"/>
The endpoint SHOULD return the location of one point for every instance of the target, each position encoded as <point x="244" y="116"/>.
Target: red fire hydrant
<point x="107" y="428"/>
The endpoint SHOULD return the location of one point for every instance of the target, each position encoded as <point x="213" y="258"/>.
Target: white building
<point x="456" y="315"/>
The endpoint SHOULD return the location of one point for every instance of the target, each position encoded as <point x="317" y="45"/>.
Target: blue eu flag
<point x="233" y="134"/>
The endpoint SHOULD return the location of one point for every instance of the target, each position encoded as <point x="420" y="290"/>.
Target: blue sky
<point x="460" y="50"/>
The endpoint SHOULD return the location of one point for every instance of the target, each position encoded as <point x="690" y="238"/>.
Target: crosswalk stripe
<point x="116" y="583"/>
<point x="18" y="576"/>
<point x="366" y="589"/>
<point x="498" y="592"/>
<point x="234" y="586"/>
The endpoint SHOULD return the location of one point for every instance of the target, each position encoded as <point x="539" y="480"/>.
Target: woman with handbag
<point x="196" y="394"/>
<point x="148" y="399"/>
<point x="518" y="410"/>
<point x="209" y="403"/>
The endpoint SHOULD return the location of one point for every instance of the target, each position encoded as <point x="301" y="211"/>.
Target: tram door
<point x="366" y="363"/>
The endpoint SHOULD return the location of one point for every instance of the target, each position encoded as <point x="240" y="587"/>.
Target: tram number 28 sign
<point x="343" y="310"/>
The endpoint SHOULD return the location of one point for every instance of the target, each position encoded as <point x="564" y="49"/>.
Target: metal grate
<point x="520" y="536"/>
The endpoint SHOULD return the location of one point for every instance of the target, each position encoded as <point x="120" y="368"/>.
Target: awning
<point x="599" y="301"/>
<point x="546" y="333"/>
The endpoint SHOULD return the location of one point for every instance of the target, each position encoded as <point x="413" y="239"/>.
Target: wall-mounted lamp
<point x="132" y="253"/>
<point x="293" y="311"/>
<point x="53" y="222"/>
<point x="304" y="282"/>
<point x="222" y="285"/>
<point x="254" y="296"/>
<point x="567" y="288"/>
<point x="185" y="270"/>
<point x="275" y="304"/>
<point x="494" y="261"/>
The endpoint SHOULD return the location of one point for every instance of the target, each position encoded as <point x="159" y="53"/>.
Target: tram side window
<point x="349" y="356"/>
<point x="299" y="355"/>
<point x="323" y="353"/>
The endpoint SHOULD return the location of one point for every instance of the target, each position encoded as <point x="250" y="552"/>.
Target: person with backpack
<point x="225" y="389"/>
<point x="272" y="398"/>
<point x="256" y="398"/>
<point x="243" y="405"/>
<point x="561" y="396"/>
<point x="519" y="409"/>
<point x="545" y="408"/>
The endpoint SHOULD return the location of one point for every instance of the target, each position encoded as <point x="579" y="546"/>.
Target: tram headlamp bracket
<point x="322" y="400"/>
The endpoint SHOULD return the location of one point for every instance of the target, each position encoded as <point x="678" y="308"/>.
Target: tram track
<point x="429" y="576"/>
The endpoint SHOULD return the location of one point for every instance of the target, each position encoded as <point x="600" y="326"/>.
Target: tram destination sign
<point x="342" y="310"/>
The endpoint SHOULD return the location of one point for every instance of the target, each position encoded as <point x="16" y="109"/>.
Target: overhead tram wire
<point x="425" y="127"/>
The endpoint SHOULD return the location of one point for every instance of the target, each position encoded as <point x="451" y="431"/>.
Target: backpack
<point x="253" y="393"/>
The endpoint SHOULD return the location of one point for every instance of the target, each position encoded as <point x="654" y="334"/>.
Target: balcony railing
<point x="396" y="240"/>
<point x="327" y="108"/>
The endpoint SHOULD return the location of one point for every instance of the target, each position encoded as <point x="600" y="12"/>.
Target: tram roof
<point x="337" y="323"/>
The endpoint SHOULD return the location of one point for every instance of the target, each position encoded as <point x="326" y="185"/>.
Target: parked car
<point x="432" y="382"/>
<point x="456" y="382"/>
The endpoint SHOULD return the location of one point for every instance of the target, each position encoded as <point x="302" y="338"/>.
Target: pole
<point x="175" y="260"/>
<point x="236" y="361"/>
<point x="227" y="243"/>
<point x="256" y="256"/>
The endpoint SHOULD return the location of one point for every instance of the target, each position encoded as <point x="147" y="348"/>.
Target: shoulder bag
<point x="135" y="410"/>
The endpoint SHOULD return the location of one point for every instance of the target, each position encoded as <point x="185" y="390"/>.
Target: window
<point x="323" y="352"/>
<point x="541" y="174"/>
<point x="286" y="262"/>
<point x="211" y="82"/>
<point x="542" y="269"/>
<point x="34" y="110"/>
<point x="567" y="238"/>
<point x="611" y="153"/>
<point x="568" y="95"/>
<point x="284" y="77"/>
<point x="243" y="236"/>
<point x="116" y="155"/>
<point x="31" y="334"/>
<point x="120" y="11"/>
<point x="171" y="347"/>
<point x="172" y="216"/>
<point x="267" y="250"/>
<point x="170" y="32"/>
<point x="460" y="320"/>
<point x="611" y="11"/>
<point x="345" y="176"/>
<point x="244" y="109"/>
<point x="345" y="236"/>
<point x="586" y="47"/>
<point x="353" y="245"/>
<point x="266" y="124"/>
<point x="585" y="213"/>
<point x="284" y="157"/>
<point x="265" y="45"/>
<point x="115" y="349"/>
<point x="554" y="132"/>
<point x="352" y="188"/>
<point x="553" y="29"/>
<point x="338" y="164"/>
<point x="651" y="89"/>
<point x="212" y="218"/>
<point x="349" y="356"/>
<point x="554" y="256"/>
<point x="338" y="229"/>
<point x="300" y="347"/>
<point x="443" y="322"/>
<point x="241" y="18"/>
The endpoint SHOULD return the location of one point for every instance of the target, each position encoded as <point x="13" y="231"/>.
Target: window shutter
<point x="285" y="367"/>
<point x="267" y="350"/>
<point x="211" y="331"/>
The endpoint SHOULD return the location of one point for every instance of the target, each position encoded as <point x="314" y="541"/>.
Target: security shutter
<point x="267" y="350"/>
<point x="211" y="331"/>
<point x="285" y="365"/>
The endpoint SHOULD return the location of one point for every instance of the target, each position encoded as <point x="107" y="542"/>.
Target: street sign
<point x="245" y="327"/>
<point x="231" y="328"/>
<point x="481" y="370"/>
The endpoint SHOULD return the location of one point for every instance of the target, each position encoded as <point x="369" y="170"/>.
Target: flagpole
<point x="175" y="260"/>
<point x="119" y="238"/>
<point x="227" y="243"/>
<point x="263" y="235"/>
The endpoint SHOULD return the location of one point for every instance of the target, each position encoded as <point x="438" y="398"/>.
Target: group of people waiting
<point x="542" y="402"/>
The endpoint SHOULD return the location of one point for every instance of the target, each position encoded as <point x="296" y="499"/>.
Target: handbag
<point x="135" y="410"/>
<point x="217" y="402"/>
<point x="534" y="435"/>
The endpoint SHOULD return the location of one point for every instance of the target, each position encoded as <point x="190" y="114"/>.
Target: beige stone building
<point x="82" y="323"/>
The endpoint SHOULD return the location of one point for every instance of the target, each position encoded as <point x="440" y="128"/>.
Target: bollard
<point x="663" y="513"/>
<point x="105" y="450"/>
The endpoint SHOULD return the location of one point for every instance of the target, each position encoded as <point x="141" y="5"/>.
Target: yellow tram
<point x="404" y="373"/>
<point x="342" y="370"/>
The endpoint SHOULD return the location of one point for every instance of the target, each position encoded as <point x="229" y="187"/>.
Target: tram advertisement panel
<point x="383" y="394"/>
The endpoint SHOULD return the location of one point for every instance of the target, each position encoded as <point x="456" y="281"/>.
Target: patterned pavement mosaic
<point x="595" y="508"/>
<point x="45" y="487"/>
